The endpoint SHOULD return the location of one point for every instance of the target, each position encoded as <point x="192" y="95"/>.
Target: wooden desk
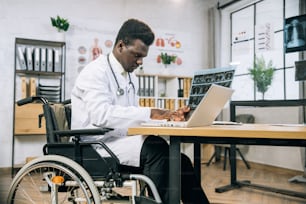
<point x="250" y="134"/>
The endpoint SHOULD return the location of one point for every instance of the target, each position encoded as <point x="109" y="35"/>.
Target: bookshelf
<point x="163" y="91"/>
<point x="39" y="69"/>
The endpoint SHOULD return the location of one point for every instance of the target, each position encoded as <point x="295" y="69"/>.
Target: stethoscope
<point x="120" y="91"/>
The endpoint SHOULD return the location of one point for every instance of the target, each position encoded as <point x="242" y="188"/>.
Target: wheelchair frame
<point x="73" y="172"/>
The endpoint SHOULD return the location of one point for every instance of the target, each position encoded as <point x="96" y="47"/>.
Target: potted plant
<point x="167" y="59"/>
<point x="60" y="23"/>
<point x="262" y="74"/>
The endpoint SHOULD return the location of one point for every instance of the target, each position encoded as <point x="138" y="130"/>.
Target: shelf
<point x="34" y="73"/>
<point x="32" y="42"/>
<point x="163" y="91"/>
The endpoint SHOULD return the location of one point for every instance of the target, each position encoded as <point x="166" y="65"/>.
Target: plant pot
<point x="60" y="36"/>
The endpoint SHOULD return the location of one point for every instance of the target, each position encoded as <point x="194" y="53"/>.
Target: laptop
<point x="206" y="111"/>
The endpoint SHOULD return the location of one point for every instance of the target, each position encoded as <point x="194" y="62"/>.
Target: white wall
<point x="287" y="157"/>
<point x="96" y="18"/>
<point x="89" y="19"/>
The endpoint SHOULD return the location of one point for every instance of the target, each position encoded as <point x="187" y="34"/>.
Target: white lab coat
<point x="96" y="104"/>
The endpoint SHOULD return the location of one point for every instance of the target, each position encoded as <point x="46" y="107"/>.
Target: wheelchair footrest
<point x="144" y="200"/>
<point x="118" y="197"/>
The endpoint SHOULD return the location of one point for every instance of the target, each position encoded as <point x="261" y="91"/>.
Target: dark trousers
<point x="154" y="162"/>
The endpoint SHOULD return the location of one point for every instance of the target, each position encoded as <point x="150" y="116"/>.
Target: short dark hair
<point x="133" y="29"/>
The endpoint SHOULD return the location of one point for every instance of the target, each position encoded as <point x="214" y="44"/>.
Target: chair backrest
<point x="62" y="115"/>
<point x="58" y="117"/>
<point x="245" y="118"/>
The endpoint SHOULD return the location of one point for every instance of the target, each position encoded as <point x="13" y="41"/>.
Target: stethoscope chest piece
<point x="120" y="92"/>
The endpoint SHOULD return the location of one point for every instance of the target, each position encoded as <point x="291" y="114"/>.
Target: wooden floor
<point x="214" y="176"/>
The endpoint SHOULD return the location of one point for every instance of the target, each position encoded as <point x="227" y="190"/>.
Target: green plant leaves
<point x="262" y="74"/>
<point x="167" y="59"/>
<point x="60" y="23"/>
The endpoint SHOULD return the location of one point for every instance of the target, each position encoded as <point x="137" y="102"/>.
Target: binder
<point x="24" y="87"/>
<point x="141" y="85"/>
<point x="180" y="91"/>
<point x="56" y="60"/>
<point x="36" y="57"/>
<point x="159" y="103"/>
<point x="29" y="58"/>
<point x="185" y="87"/>
<point x="171" y="104"/>
<point x="167" y="104"/>
<point x="32" y="87"/>
<point x="152" y="102"/>
<point x="147" y="102"/>
<point x="146" y="85"/>
<point x="49" y="60"/>
<point x="21" y="58"/>
<point x="142" y="102"/>
<point x="43" y="61"/>
<point x="179" y="103"/>
<point x="151" y="86"/>
<point x="189" y="80"/>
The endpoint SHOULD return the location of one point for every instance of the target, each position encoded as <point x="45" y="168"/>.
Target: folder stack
<point x="51" y="92"/>
<point x="44" y="59"/>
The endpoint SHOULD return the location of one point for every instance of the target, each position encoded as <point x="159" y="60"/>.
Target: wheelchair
<point x="71" y="171"/>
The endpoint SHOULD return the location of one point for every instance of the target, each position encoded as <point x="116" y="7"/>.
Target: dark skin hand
<point x="130" y="57"/>
<point x="162" y="114"/>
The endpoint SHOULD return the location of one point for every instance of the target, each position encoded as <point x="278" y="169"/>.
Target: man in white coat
<point x="104" y="95"/>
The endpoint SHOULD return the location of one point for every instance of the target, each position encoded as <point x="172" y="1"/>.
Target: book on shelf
<point x="57" y="60"/>
<point x="160" y="103"/>
<point x="49" y="67"/>
<point x="141" y="102"/>
<point x="180" y="91"/>
<point x="147" y="102"/>
<point x="171" y="104"/>
<point x="167" y="104"/>
<point x="186" y="87"/>
<point x="36" y="58"/>
<point x="43" y="61"/>
<point x="151" y="85"/>
<point x="32" y="87"/>
<point x="21" y="58"/>
<point x="29" y="58"/>
<point x="152" y="102"/>
<point x="141" y="86"/>
<point x="24" y="87"/>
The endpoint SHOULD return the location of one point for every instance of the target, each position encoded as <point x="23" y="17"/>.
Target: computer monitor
<point x="295" y="33"/>
<point x="300" y="70"/>
<point x="203" y="79"/>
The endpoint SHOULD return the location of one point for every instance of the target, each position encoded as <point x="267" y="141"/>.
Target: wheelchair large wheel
<point x="53" y="179"/>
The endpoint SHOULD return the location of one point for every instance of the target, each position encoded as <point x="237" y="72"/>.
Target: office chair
<point x="243" y="118"/>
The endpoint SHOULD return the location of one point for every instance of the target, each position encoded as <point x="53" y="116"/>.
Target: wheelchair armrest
<point x="105" y="147"/>
<point x="88" y="132"/>
<point x="79" y="132"/>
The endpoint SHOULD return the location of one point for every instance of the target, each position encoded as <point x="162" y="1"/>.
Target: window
<point x="258" y="30"/>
